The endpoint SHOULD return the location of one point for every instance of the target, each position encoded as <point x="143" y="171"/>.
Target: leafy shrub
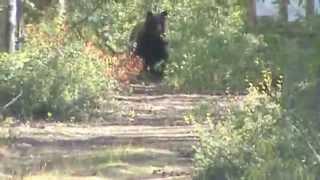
<point x="122" y="67"/>
<point x="108" y="23"/>
<point x="214" y="53"/>
<point x="53" y="72"/>
<point x="268" y="137"/>
<point x="256" y="139"/>
<point x="296" y="56"/>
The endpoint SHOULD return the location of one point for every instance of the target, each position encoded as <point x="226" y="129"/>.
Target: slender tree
<point x="12" y="32"/>
<point x="11" y="24"/>
<point x="62" y="7"/>
<point x="310" y="9"/>
<point x="20" y="23"/>
<point x="252" y="14"/>
<point x="4" y="11"/>
<point x="284" y="10"/>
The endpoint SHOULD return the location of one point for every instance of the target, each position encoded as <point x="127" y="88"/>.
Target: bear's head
<point x="155" y="24"/>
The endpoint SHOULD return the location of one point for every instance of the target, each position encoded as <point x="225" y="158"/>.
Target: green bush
<point x="256" y="139"/>
<point x="109" y="22"/>
<point x="217" y="52"/>
<point x="56" y="77"/>
<point x="268" y="137"/>
<point x="214" y="53"/>
<point x="296" y="56"/>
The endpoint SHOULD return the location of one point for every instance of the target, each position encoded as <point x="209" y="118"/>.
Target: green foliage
<point x="216" y="49"/>
<point x="273" y="133"/>
<point x="257" y="139"/>
<point x="54" y="73"/>
<point x="36" y="10"/>
<point x="109" y="22"/>
<point x="201" y="51"/>
<point x="293" y="52"/>
<point x="214" y="53"/>
<point x="211" y="48"/>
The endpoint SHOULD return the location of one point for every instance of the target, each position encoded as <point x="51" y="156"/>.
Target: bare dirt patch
<point x="147" y="139"/>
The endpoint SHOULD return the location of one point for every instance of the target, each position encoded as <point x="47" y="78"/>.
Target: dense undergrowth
<point x="54" y="74"/>
<point x="273" y="134"/>
<point x="256" y="139"/>
<point x="217" y="51"/>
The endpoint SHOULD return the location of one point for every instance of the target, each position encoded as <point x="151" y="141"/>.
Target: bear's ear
<point x="149" y="14"/>
<point x="164" y="13"/>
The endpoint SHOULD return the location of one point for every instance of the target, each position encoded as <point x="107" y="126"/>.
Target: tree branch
<point x="11" y="102"/>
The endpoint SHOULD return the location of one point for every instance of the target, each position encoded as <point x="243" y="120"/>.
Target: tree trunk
<point x="310" y="9"/>
<point x="12" y="25"/>
<point x="20" y="24"/>
<point x="252" y="13"/>
<point x="62" y="8"/>
<point x="284" y="10"/>
<point x="11" y="22"/>
<point x="4" y="12"/>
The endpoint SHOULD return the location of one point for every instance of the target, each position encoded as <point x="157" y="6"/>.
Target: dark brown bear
<point x="150" y="43"/>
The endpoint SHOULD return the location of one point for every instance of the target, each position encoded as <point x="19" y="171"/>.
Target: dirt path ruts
<point x="149" y="121"/>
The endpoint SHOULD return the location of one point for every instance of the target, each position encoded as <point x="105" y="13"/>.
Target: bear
<point x="150" y="43"/>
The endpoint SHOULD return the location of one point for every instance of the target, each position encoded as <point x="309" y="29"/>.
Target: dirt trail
<point x="148" y="140"/>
